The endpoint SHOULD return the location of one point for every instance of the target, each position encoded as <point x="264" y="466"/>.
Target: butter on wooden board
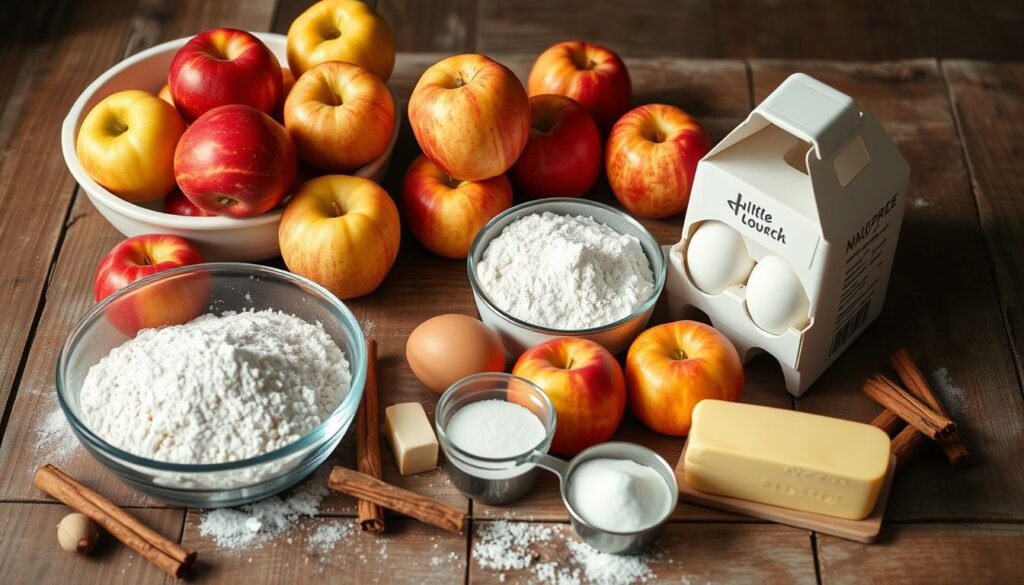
<point x="786" y="458"/>
<point x="411" y="437"/>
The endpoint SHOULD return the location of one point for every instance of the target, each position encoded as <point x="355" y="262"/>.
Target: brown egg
<point x="447" y="348"/>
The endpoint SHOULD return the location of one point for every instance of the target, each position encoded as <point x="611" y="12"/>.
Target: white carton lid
<point x="811" y="110"/>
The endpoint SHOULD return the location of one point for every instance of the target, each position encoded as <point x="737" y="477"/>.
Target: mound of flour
<point x="216" y="389"/>
<point x="565" y="272"/>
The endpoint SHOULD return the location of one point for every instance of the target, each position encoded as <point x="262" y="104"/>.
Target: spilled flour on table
<point x="369" y="328"/>
<point x="55" y="441"/>
<point x="324" y="538"/>
<point x="512" y="546"/>
<point x="252" y="525"/>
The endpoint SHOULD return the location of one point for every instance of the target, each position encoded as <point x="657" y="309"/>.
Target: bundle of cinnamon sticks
<point x="913" y="413"/>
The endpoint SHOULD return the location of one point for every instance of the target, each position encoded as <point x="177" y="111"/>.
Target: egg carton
<point x="814" y="190"/>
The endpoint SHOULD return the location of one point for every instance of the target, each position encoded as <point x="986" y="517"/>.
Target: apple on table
<point x="126" y="144"/>
<point x="340" y="116"/>
<point x="341" y="30"/>
<point x="445" y="214"/>
<point x="562" y="157"/>
<point x="673" y="366"/>
<point x="591" y="74"/>
<point x="471" y="116"/>
<point x="221" y="67"/>
<point x="170" y="302"/>
<point x="235" y="161"/>
<point x="341" y="232"/>
<point x="651" y="158"/>
<point x="586" y="385"/>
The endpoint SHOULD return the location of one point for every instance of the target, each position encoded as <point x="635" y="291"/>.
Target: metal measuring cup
<point x="608" y="540"/>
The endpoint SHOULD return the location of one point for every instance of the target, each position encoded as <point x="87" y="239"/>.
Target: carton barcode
<point x="848" y="329"/>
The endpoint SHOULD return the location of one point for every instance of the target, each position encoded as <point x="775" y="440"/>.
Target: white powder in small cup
<point x="619" y="494"/>
<point x="495" y="429"/>
<point x="565" y="272"/>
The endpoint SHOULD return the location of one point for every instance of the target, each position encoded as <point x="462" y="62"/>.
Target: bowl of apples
<point x="206" y="137"/>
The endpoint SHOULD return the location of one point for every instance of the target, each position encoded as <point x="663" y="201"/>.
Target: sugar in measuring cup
<point x="489" y="427"/>
<point x="619" y="495"/>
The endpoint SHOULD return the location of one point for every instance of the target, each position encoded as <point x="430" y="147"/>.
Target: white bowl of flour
<point x="565" y="267"/>
<point x="248" y="384"/>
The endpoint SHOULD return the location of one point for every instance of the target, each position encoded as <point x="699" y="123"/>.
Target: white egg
<point x="776" y="300"/>
<point x="717" y="258"/>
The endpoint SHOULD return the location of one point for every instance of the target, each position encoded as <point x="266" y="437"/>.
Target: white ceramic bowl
<point x="220" y="238"/>
<point x="518" y="335"/>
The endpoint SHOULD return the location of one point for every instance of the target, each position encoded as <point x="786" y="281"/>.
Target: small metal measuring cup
<point x="607" y="540"/>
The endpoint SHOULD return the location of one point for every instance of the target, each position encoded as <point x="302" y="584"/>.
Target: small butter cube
<point x="411" y="437"/>
<point x="786" y="458"/>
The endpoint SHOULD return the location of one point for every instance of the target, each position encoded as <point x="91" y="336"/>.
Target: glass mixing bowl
<point x="177" y="296"/>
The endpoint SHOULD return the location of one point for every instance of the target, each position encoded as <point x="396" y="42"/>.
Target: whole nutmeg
<point x="77" y="533"/>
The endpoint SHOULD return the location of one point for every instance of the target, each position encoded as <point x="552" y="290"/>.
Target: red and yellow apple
<point x="672" y="367"/>
<point x="586" y="386"/>
<point x="588" y="73"/>
<point x="341" y="30"/>
<point x="126" y="144"/>
<point x="651" y="157"/>
<point x="470" y="116"/>
<point x="221" y="67"/>
<point x="235" y="161"/>
<point x="340" y="116"/>
<point x="170" y="302"/>
<point x="563" y="155"/>
<point x="445" y="214"/>
<point x="177" y="204"/>
<point x="341" y="232"/>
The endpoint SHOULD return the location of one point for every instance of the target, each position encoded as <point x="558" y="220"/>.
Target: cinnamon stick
<point x="888" y="422"/>
<point x="422" y="508"/>
<point x="371" y="516"/>
<point x="953" y="447"/>
<point x="906" y="444"/>
<point x="169" y="556"/>
<point x="913" y="411"/>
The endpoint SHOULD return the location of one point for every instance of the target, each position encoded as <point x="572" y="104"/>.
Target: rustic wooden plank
<point x="941" y="302"/>
<point x="35" y="188"/>
<point x="448" y="26"/>
<point x="870" y="30"/>
<point x="409" y="552"/>
<point x="927" y="553"/>
<point x="37" y="433"/>
<point x="646" y="27"/>
<point x="985" y="96"/>
<point x="684" y="553"/>
<point x="30" y="553"/>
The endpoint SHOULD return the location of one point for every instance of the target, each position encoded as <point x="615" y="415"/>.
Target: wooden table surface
<point x="954" y="300"/>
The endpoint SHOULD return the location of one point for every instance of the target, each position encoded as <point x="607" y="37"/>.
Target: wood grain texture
<point x="680" y="28"/>
<point x="684" y="553"/>
<point x="941" y="302"/>
<point x="930" y="553"/>
<point x="440" y="25"/>
<point x="870" y="29"/>
<point x="985" y="98"/>
<point x="30" y="553"/>
<point x="408" y="552"/>
<point x="36" y="432"/>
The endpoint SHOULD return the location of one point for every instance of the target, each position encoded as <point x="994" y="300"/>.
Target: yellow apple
<point x="126" y="144"/>
<point x="341" y="232"/>
<point x="341" y="30"/>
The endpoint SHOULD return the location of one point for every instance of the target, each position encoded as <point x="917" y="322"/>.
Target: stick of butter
<point x="411" y="437"/>
<point x="786" y="458"/>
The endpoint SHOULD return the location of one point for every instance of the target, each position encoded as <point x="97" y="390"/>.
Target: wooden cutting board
<point x="865" y="530"/>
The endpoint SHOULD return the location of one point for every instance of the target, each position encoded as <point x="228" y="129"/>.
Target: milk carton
<point x="791" y="229"/>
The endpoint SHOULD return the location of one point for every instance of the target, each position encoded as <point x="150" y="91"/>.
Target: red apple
<point x="470" y="116"/>
<point x="170" y="302"/>
<point x="177" y="204"/>
<point x="590" y="74"/>
<point x="563" y="156"/>
<point x="672" y="367"/>
<point x="586" y="386"/>
<point x="651" y="157"/>
<point x="235" y="161"/>
<point x="221" y="67"/>
<point x="445" y="214"/>
<point x="340" y="116"/>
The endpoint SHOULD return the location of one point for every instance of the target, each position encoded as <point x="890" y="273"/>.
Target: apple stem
<point x="337" y="209"/>
<point x="678" y="354"/>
